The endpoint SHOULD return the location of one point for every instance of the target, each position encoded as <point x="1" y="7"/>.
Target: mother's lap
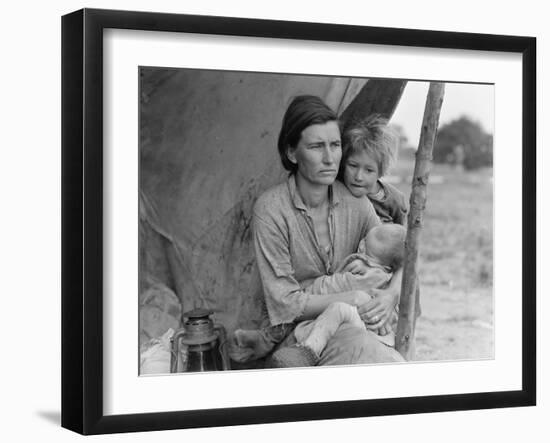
<point x="351" y="345"/>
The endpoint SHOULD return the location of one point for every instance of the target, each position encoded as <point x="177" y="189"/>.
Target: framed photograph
<point x="269" y="221"/>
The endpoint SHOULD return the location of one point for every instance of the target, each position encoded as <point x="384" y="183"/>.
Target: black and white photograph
<point x="293" y="221"/>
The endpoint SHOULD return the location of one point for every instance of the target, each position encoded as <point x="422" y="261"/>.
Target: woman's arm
<point x="285" y="300"/>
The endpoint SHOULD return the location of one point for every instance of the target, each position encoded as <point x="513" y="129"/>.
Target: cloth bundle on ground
<point x="159" y="317"/>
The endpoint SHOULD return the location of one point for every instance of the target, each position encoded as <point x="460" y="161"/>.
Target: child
<point x="369" y="150"/>
<point x="382" y="253"/>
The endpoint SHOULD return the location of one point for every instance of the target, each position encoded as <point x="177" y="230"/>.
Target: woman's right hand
<point x="379" y="310"/>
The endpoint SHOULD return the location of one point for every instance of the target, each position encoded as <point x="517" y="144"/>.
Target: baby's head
<point x="369" y="149"/>
<point x="385" y="244"/>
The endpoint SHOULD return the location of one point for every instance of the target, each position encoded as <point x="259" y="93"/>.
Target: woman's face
<point x="318" y="153"/>
<point x="360" y="173"/>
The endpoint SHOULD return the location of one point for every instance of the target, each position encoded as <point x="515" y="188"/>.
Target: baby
<point x="381" y="251"/>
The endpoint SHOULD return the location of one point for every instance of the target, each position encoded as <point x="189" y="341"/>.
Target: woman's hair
<point x="373" y="136"/>
<point x="303" y="111"/>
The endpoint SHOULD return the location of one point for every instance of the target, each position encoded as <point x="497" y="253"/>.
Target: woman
<point x="306" y="226"/>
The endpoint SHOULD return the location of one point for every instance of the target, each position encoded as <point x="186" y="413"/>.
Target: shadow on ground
<point x="54" y="417"/>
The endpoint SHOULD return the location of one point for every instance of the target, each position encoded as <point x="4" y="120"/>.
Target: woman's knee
<point x="353" y="345"/>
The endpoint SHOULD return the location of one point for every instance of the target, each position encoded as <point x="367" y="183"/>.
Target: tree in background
<point x="402" y="139"/>
<point x="464" y="142"/>
<point x="405" y="149"/>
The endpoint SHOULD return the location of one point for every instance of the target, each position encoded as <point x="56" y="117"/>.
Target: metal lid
<point x="198" y="313"/>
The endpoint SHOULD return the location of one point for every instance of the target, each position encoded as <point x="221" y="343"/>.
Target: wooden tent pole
<point x="407" y="304"/>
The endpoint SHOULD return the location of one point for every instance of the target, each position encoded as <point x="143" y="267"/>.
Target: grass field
<point x="456" y="263"/>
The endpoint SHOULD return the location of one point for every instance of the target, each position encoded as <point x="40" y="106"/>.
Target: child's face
<point x="360" y="173"/>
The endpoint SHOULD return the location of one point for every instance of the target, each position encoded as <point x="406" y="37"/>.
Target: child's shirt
<point x="390" y="204"/>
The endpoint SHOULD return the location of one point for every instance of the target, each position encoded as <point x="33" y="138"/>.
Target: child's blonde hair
<point x="373" y="136"/>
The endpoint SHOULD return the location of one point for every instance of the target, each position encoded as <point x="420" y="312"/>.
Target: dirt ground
<point x="456" y="264"/>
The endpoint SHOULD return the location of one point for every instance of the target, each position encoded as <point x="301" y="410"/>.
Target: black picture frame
<point x="82" y="220"/>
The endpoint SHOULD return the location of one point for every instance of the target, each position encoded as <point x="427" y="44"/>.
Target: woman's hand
<point x="378" y="311"/>
<point x="360" y="298"/>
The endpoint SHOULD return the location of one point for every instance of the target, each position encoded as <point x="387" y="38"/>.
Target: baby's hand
<point x="357" y="267"/>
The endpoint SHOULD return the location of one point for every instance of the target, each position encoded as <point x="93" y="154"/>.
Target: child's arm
<point x="399" y="207"/>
